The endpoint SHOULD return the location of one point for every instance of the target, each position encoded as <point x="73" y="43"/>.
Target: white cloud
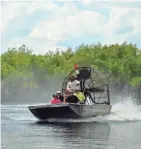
<point x="60" y="26"/>
<point x="112" y="3"/>
<point x="38" y="45"/>
<point x="9" y="11"/>
<point x="84" y="22"/>
<point x="25" y="9"/>
<point x="68" y="21"/>
<point x="0" y="19"/>
<point x="122" y="18"/>
<point x="87" y="2"/>
<point x="12" y="9"/>
<point x="41" y="5"/>
<point x="91" y="23"/>
<point x="20" y="8"/>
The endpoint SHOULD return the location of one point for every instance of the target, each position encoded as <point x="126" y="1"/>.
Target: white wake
<point x="125" y="110"/>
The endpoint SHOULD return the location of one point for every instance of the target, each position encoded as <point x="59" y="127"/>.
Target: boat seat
<point x="84" y="74"/>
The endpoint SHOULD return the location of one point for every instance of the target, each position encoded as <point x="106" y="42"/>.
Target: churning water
<point x="119" y="130"/>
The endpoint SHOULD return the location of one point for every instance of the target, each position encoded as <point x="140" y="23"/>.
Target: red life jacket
<point x="55" y="101"/>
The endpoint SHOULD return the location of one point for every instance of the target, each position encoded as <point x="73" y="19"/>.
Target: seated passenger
<point x="69" y="92"/>
<point x="70" y="98"/>
<point x="73" y="83"/>
<point x="59" y="96"/>
<point x="55" y="100"/>
<point x="79" y="95"/>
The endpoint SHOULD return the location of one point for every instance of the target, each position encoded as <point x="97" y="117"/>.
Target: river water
<point x="119" y="130"/>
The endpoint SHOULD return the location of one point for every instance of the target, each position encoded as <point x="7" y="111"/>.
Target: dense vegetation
<point x="20" y="68"/>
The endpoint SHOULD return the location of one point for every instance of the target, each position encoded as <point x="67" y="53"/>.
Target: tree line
<point x="21" y="68"/>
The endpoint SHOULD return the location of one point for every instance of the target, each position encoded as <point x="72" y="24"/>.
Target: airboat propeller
<point x="92" y="83"/>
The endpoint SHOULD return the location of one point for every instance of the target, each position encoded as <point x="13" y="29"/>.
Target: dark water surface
<point x="119" y="130"/>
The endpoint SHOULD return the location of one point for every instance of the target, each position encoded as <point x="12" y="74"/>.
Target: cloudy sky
<point x="45" y="25"/>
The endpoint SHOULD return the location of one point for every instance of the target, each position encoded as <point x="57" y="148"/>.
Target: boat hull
<point x="67" y="110"/>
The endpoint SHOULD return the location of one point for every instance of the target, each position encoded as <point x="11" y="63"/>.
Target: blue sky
<point x="45" y="25"/>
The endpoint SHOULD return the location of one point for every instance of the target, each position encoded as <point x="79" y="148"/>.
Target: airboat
<point x="97" y="97"/>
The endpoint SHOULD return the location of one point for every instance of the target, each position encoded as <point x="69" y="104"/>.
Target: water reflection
<point x="82" y="135"/>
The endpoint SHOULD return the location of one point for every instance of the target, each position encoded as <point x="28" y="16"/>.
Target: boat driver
<point x="73" y="84"/>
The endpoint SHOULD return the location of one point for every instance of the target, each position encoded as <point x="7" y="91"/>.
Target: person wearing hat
<point x="73" y="83"/>
<point x="69" y="92"/>
<point x="70" y="98"/>
<point x="55" y="100"/>
<point x="79" y="95"/>
<point x="59" y="96"/>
